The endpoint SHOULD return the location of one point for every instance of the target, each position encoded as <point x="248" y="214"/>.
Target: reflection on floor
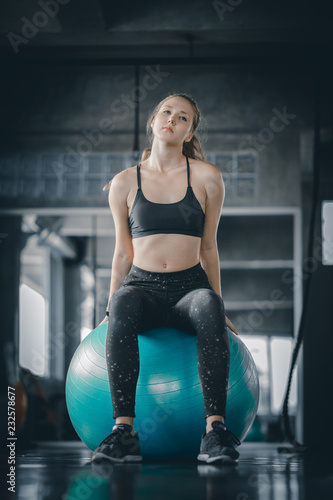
<point x="62" y="470"/>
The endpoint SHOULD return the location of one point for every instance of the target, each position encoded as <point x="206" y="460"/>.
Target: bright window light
<point x="258" y="347"/>
<point x="281" y="351"/>
<point x="327" y="232"/>
<point x="32" y="343"/>
<point x="272" y="357"/>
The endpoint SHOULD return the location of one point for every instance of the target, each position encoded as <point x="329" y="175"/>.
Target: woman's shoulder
<point x="124" y="176"/>
<point x="204" y="169"/>
<point x="122" y="182"/>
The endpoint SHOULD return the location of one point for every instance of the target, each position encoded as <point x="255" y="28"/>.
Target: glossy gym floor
<point x="61" y="470"/>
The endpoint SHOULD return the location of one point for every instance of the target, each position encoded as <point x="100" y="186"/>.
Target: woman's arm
<point x="209" y="255"/>
<point x="123" y="252"/>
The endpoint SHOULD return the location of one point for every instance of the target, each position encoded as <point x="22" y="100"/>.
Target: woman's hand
<point x="231" y="326"/>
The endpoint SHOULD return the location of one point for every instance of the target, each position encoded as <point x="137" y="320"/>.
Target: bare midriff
<point x="163" y="253"/>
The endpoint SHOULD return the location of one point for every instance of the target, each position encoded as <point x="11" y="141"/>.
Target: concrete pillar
<point x="10" y="249"/>
<point x="318" y="333"/>
<point x="72" y="301"/>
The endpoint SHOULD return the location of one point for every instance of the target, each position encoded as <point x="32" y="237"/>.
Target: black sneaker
<point x="119" y="446"/>
<point x="219" y="444"/>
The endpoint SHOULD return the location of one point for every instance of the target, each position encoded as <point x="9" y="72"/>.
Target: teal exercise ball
<point x="169" y="403"/>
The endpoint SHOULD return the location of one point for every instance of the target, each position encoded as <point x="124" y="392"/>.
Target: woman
<point x="165" y="272"/>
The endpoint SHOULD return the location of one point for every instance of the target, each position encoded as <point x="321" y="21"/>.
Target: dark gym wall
<point x="60" y="115"/>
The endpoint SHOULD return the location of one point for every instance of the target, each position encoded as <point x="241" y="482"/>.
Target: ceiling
<point x="98" y="30"/>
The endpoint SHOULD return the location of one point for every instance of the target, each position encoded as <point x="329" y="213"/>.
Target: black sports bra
<point x="182" y="217"/>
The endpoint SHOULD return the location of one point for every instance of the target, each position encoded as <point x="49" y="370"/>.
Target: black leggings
<point x="182" y="299"/>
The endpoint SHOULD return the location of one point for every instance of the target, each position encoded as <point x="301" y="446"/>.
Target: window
<point x="33" y="327"/>
<point x="272" y="356"/>
<point x="34" y="334"/>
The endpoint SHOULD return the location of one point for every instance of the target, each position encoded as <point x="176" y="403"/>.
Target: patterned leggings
<point x="182" y="299"/>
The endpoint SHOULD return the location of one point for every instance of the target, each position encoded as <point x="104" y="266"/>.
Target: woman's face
<point x="173" y="121"/>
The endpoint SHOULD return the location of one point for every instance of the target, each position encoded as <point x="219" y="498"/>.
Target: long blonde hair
<point x="191" y="149"/>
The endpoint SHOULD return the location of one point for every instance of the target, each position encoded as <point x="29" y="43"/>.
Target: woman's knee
<point x="206" y="300"/>
<point x="199" y="310"/>
<point x="125" y="298"/>
<point x="126" y="307"/>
